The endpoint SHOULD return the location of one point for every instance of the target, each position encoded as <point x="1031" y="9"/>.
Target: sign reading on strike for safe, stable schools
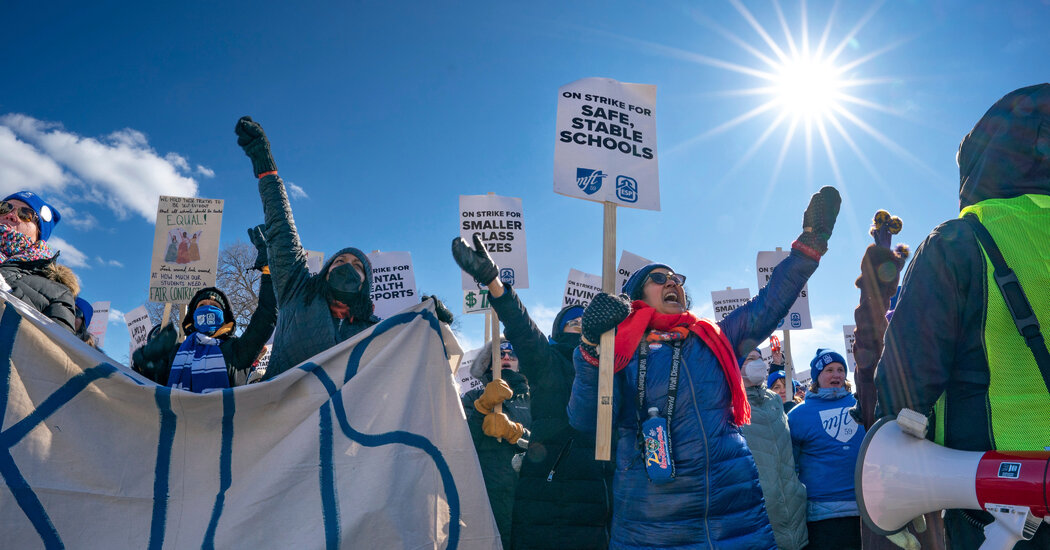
<point x="499" y="223"/>
<point x="99" y="322"/>
<point x="798" y="317"/>
<point x="629" y="263"/>
<point x="185" y="248"/>
<point x="606" y="143"/>
<point x="580" y="288"/>
<point x="725" y="301"/>
<point x="850" y="339"/>
<point x="393" y="282"/>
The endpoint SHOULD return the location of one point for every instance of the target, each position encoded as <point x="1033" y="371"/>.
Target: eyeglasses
<point x="24" y="213"/>
<point x="507" y="353"/>
<point x="661" y="278"/>
<point x="574" y="323"/>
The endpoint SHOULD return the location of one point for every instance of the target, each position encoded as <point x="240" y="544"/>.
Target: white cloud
<point x="205" y="171"/>
<point x="116" y="316"/>
<point x="108" y="263"/>
<point x="295" y="192"/>
<point x="120" y="171"/>
<point x="70" y="255"/>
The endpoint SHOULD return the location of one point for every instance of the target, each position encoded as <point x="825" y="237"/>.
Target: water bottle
<point x="657" y="452"/>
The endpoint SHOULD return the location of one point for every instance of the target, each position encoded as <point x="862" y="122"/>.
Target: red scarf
<point x="339" y="309"/>
<point x="643" y="317"/>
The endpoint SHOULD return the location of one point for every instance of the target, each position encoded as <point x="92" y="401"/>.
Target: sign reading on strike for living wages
<point x="185" y="248"/>
<point x="499" y="223"/>
<point x="725" y="301"/>
<point x="139" y="326"/>
<point x="850" y="339"/>
<point x="798" y="317"/>
<point x="580" y="288"/>
<point x="99" y="322"/>
<point x="629" y="263"/>
<point x="393" y="282"/>
<point x="606" y="143"/>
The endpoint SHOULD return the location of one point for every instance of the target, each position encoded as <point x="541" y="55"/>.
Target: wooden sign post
<point x="603" y="433"/>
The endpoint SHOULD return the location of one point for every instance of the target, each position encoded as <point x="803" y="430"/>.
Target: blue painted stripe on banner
<point x="326" y="477"/>
<point x="166" y="441"/>
<point x="354" y="361"/>
<point x="8" y="329"/>
<point x="229" y="406"/>
<point x="53" y="402"/>
<point x="28" y="501"/>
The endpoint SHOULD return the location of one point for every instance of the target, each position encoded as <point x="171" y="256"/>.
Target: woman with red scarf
<point x="685" y="477"/>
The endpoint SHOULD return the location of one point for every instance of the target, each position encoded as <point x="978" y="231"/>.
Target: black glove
<point x="252" y="138"/>
<point x="603" y="314"/>
<point x="255" y="234"/>
<point x="443" y="313"/>
<point x="476" y="261"/>
<point x="819" y="219"/>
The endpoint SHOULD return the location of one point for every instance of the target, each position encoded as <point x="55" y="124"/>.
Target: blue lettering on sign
<point x="626" y="189"/>
<point x="780" y="324"/>
<point x="507" y="275"/>
<point x="796" y="320"/>
<point x="590" y="181"/>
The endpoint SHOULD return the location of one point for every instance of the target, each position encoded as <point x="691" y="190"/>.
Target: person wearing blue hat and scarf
<point x="27" y="264"/>
<point x="563" y="497"/>
<point x="211" y="357"/>
<point x="826" y="441"/>
<point x="83" y="313"/>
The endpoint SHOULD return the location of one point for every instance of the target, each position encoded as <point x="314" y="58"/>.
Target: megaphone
<point x="900" y="477"/>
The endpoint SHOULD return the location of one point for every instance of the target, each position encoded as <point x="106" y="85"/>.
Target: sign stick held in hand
<point x="603" y="435"/>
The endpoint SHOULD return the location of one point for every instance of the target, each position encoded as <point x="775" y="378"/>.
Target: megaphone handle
<point x="1006" y="531"/>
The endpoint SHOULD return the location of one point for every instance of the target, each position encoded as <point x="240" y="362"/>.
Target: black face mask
<point x="345" y="283"/>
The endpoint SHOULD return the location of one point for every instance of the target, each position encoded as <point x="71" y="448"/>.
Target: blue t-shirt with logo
<point x="826" y="441"/>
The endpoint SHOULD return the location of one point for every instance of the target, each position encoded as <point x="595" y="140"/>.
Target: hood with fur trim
<point x="227" y="328"/>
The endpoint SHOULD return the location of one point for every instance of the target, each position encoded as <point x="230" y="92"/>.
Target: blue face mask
<point x="207" y="319"/>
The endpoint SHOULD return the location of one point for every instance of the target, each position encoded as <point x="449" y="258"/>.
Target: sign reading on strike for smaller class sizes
<point x="185" y="248"/>
<point x="580" y="288"/>
<point x="498" y="221"/>
<point x="393" y="282"/>
<point x="629" y="263"/>
<point x="798" y="317"/>
<point x="849" y="338"/>
<point x="605" y="149"/>
<point x="725" y="301"/>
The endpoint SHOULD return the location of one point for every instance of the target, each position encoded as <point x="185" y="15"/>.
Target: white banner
<point x="798" y="317"/>
<point x="99" y="322"/>
<point x="464" y="380"/>
<point x="501" y="226"/>
<point x="139" y="326"/>
<point x="580" y="288"/>
<point x="606" y="143"/>
<point x="629" y="263"/>
<point x="393" y="282"/>
<point x="725" y="301"/>
<point x="337" y="453"/>
<point x="185" y="248"/>
<point x="850" y="339"/>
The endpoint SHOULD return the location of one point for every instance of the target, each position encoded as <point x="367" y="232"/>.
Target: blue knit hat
<point x="85" y="309"/>
<point x="774" y="377"/>
<point x="48" y="216"/>
<point x="633" y="286"/>
<point x="824" y="358"/>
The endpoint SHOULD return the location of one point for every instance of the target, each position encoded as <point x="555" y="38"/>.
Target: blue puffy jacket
<point x="715" y="501"/>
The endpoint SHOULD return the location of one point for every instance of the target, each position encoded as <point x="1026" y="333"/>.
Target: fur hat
<point x="47" y="216"/>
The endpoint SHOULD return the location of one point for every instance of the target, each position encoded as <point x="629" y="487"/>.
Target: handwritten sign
<point x="99" y="322"/>
<point x="798" y="316"/>
<point x="185" y="248"/>
<point x="393" y="282"/>
<point x="499" y="223"/>
<point x="139" y="326"/>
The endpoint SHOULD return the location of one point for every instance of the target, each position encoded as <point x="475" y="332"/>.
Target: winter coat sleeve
<point x="583" y="402"/>
<point x="154" y="359"/>
<point x="286" y="254"/>
<point x="925" y="336"/>
<point x="530" y="344"/>
<point x="241" y="352"/>
<point x="750" y="324"/>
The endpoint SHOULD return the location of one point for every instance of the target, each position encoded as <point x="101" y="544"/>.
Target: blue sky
<point x="382" y="114"/>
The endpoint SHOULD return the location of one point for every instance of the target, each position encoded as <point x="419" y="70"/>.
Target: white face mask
<point x="755" y="372"/>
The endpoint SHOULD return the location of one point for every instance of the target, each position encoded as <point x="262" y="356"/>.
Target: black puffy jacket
<point x="30" y="282"/>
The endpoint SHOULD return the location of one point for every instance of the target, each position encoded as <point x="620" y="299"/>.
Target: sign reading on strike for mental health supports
<point x="849" y="338"/>
<point x="393" y="282"/>
<point x="798" y="317"/>
<point x="629" y="263"/>
<point x="606" y="143"/>
<point x="185" y="248"/>
<point x="99" y="322"/>
<point x="580" y="288"/>
<point x="139" y="326"/>
<point x="499" y="223"/>
<point x="725" y="301"/>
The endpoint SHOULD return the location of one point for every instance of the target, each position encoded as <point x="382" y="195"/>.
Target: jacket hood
<point x="1007" y="154"/>
<point x="480" y="368"/>
<point x="227" y="312"/>
<point x="560" y="336"/>
<point x="61" y="274"/>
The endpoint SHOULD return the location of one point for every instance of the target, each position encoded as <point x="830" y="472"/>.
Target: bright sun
<point x="807" y="88"/>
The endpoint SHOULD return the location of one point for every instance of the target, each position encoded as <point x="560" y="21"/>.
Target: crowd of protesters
<point x="714" y="446"/>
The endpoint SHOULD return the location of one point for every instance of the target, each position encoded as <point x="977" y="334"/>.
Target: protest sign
<point x="798" y="317"/>
<point x="725" y="301"/>
<point x="476" y="300"/>
<point x="139" y="326"/>
<point x="393" y="282"/>
<point x="314" y="261"/>
<point x="185" y="248"/>
<point x="499" y="223"/>
<point x="464" y="380"/>
<point x="629" y="263"/>
<point x="606" y="143"/>
<point x="580" y="288"/>
<point x="99" y="322"/>
<point x="850" y="339"/>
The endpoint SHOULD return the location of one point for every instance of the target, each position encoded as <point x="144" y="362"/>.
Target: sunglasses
<point x="24" y="213"/>
<point x="507" y="353"/>
<point x="661" y="278"/>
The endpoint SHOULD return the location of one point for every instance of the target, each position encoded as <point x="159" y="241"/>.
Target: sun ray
<point x="805" y="29"/>
<point x="788" y="139"/>
<point x="693" y="57"/>
<point x="787" y="31"/>
<point x="809" y="153"/>
<point x="887" y="142"/>
<point x="870" y="104"/>
<point x="856" y="150"/>
<point x="851" y="215"/>
<point x="760" y="30"/>
<point x="827" y="31"/>
<point x="853" y="32"/>
<point x="707" y="22"/>
<point x="754" y="147"/>
<point x="739" y="119"/>
<point x="864" y="59"/>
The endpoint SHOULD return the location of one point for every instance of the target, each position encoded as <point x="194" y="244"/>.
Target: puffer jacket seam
<point x="707" y="459"/>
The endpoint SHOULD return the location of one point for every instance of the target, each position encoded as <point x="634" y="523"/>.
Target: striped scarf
<point x="199" y="366"/>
